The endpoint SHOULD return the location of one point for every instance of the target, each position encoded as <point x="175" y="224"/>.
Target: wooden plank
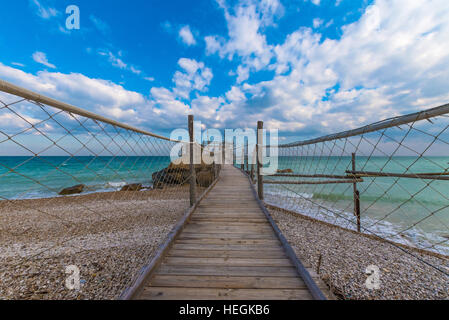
<point x="185" y="261"/>
<point x="229" y="229"/>
<point x="226" y="236"/>
<point x="254" y="271"/>
<point x="163" y="293"/>
<point x="228" y="247"/>
<point x="230" y="223"/>
<point x="229" y="215"/>
<point x="227" y="282"/>
<point x="221" y="219"/>
<point x="225" y="204"/>
<point x="230" y="241"/>
<point x="265" y="254"/>
<point x="230" y="226"/>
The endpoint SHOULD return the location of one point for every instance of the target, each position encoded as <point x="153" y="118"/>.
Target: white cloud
<point x="99" y="24"/>
<point x="317" y="22"/>
<point x="206" y="107"/>
<point x="245" y="23"/>
<point x="235" y="94"/>
<point x="392" y="61"/>
<point x="186" y="36"/>
<point x="160" y="111"/>
<point x="386" y="62"/>
<point x="96" y="95"/>
<point x="18" y="64"/>
<point x="41" y="57"/>
<point x="195" y="76"/>
<point x="116" y="61"/>
<point x="329" y="23"/>
<point x="212" y="44"/>
<point x="242" y="74"/>
<point x="135" y="70"/>
<point x="43" y="11"/>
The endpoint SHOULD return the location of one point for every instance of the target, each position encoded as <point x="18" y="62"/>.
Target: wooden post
<point x="234" y="152"/>
<point x="242" y="158"/>
<point x="356" y="196"/>
<point x="357" y="209"/>
<point x="252" y="172"/>
<point x="223" y="151"/>
<point x="192" y="164"/>
<point x="258" y="156"/>
<point x="245" y="155"/>
<point x="252" y="165"/>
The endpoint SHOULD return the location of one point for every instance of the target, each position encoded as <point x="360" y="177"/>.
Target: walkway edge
<point x="316" y="292"/>
<point x="146" y="271"/>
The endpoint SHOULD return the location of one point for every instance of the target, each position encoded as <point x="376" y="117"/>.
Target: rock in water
<point x="285" y="171"/>
<point x="72" y="190"/>
<point x="132" y="187"/>
<point x="179" y="174"/>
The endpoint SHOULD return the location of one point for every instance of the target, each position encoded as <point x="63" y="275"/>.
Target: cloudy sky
<point x="307" y="67"/>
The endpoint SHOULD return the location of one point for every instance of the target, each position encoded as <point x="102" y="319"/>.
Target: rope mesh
<point x="386" y="183"/>
<point x="125" y="198"/>
<point x="391" y="183"/>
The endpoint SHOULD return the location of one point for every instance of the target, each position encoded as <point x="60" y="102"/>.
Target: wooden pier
<point x="227" y="249"/>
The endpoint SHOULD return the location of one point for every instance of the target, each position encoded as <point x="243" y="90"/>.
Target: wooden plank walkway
<point x="228" y="250"/>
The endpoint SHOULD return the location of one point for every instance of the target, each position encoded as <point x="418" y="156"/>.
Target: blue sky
<point x="306" y="67"/>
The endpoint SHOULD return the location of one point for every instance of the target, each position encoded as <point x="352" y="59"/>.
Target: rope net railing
<point x="388" y="180"/>
<point x="400" y="174"/>
<point x="81" y="192"/>
<point x="381" y="195"/>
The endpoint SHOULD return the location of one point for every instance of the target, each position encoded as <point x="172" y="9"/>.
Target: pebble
<point x="402" y="276"/>
<point x="110" y="237"/>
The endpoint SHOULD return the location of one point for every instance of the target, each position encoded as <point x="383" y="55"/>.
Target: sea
<point x="42" y="177"/>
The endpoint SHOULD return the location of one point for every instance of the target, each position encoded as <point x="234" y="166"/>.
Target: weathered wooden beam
<point x="192" y="164"/>
<point x="356" y="196"/>
<point x="313" y="182"/>
<point x="259" y="158"/>
<point x="398" y="175"/>
<point x="294" y="175"/>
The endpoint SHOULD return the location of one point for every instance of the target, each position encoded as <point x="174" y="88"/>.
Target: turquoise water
<point x="407" y="210"/>
<point x="46" y="176"/>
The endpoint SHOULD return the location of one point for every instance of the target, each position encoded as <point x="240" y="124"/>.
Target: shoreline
<point x="341" y="256"/>
<point x="426" y="240"/>
<point x="370" y="236"/>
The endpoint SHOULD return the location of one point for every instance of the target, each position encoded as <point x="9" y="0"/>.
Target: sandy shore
<point x="108" y="236"/>
<point x="345" y="255"/>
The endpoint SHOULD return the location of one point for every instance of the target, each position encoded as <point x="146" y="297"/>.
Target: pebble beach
<point x="341" y="257"/>
<point x="108" y="236"/>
